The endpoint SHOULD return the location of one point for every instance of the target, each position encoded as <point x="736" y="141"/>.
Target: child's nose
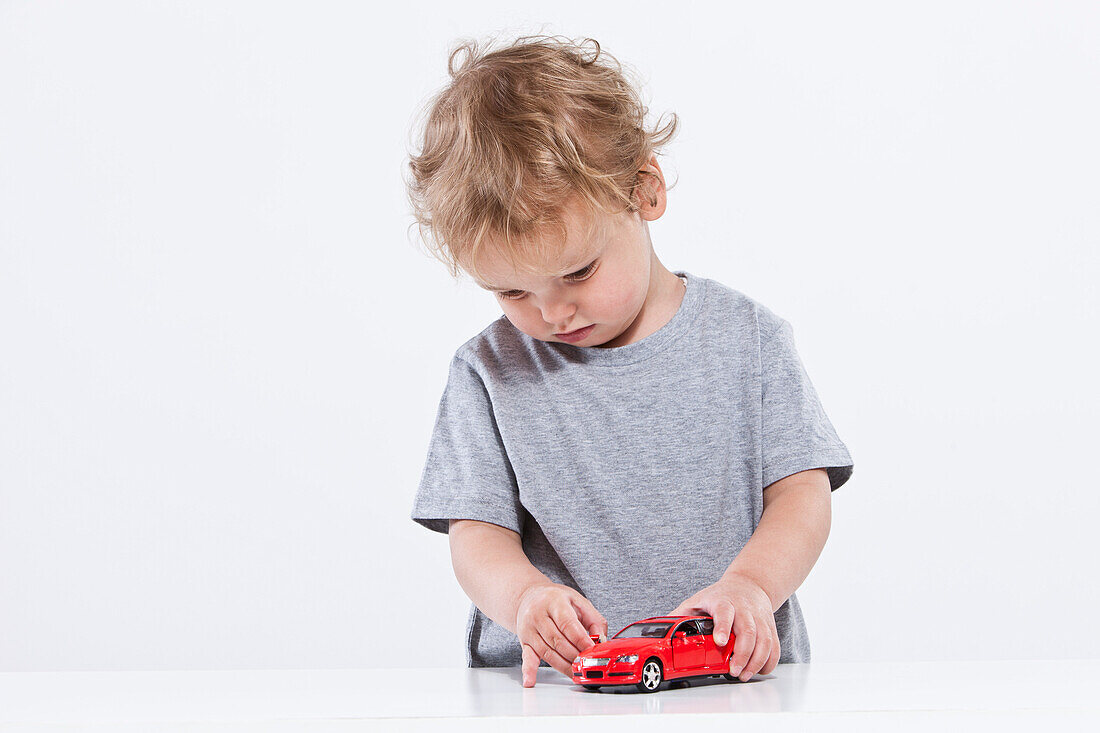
<point x="559" y="315"/>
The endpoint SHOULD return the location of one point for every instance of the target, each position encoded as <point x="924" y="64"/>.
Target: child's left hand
<point x="739" y="603"/>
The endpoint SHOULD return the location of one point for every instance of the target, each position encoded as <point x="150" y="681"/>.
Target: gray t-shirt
<point x="633" y="474"/>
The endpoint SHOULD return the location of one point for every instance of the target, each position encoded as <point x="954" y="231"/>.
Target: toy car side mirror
<point x="679" y="635"/>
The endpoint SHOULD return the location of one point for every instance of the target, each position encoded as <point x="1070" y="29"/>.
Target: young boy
<point x="624" y="441"/>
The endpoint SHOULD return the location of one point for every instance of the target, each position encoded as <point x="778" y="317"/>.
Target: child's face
<point x="606" y="276"/>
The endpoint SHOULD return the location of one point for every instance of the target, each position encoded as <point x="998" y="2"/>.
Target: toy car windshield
<point x="644" y="630"/>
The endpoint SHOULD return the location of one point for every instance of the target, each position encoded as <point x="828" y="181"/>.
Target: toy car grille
<point x="594" y="675"/>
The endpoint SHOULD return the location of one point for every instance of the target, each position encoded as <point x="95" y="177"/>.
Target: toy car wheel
<point x="591" y="687"/>
<point x="651" y="676"/>
<point x="728" y="676"/>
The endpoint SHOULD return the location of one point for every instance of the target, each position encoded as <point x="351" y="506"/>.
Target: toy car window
<point x="689" y="628"/>
<point x="708" y="625"/>
<point x="641" y="630"/>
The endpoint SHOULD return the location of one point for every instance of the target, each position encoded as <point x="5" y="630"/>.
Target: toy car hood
<point x="618" y="646"/>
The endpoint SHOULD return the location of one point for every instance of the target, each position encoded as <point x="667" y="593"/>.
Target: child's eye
<point x="582" y="274"/>
<point x="578" y="276"/>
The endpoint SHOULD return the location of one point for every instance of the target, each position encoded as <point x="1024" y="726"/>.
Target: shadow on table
<point x="554" y="694"/>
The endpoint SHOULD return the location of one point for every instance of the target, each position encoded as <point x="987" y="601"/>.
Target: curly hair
<point x="518" y="134"/>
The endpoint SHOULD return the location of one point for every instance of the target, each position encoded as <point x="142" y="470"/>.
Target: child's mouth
<point x="577" y="335"/>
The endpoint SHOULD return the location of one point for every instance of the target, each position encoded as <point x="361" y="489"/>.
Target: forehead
<point x="550" y="254"/>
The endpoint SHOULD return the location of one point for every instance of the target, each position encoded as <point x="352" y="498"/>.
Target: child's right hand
<point x="553" y="622"/>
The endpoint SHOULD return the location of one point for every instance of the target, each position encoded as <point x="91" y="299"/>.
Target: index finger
<point x="724" y="616"/>
<point x="575" y="638"/>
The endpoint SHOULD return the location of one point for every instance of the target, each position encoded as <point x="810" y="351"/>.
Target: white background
<point x="221" y="352"/>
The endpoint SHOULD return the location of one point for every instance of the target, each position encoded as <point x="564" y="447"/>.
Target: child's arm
<point x="492" y="568"/>
<point x="773" y="563"/>
<point x="792" y="532"/>
<point x="552" y="621"/>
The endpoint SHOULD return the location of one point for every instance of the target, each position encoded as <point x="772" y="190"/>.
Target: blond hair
<point x="516" y="135"/>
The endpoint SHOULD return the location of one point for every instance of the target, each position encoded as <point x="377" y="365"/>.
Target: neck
<point x="666" y="293"/>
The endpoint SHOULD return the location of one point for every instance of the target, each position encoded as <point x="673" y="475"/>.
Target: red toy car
<point x="650" y="651"/>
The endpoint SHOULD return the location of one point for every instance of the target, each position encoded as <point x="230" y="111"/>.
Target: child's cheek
<point x="525" y="319"/>
<point x="616" y="304"/>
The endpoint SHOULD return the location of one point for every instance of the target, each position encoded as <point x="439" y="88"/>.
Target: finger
<point x="760" y="654"/>
<point x="562" y="631"/>
<point x="594" y="621"/>
<point x="542" y="652"/>
<point x="551" y="655"/>
<point x="574" y="621"/>
<point x="724" y="617"/>
<point x="530" y="665"/>
<point x="598" y="630"/>
<point x="773" y="659"/>
<point x="744" y="630"/>
<point x="772" y="634"/>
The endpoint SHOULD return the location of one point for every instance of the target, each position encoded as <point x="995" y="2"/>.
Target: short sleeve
<point x="467" y="474"/>
<point x="797" y="434"/>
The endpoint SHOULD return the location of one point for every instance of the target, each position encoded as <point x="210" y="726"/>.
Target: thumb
<point x="530" y="665"/>
<point x="590" y="618"/>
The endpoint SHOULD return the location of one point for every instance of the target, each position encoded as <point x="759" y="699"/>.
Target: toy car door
<point x="688" y="647"/>
<point x="716" y="655"/>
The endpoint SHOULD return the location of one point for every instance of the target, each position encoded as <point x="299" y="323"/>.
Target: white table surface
<point x="827" y="696"/>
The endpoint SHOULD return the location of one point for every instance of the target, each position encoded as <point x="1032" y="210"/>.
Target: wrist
<point x="742" y="577"/>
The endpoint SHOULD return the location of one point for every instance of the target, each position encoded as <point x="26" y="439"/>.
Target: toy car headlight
<point x="628" y="658"/>
<point x="595" y="661"/>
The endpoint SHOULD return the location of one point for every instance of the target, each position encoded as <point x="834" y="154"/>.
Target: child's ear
<point x="649" y="193"/>
<point x="649" y="189"/>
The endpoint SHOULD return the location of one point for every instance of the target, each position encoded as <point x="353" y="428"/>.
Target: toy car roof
<point x="671" y="618"/>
